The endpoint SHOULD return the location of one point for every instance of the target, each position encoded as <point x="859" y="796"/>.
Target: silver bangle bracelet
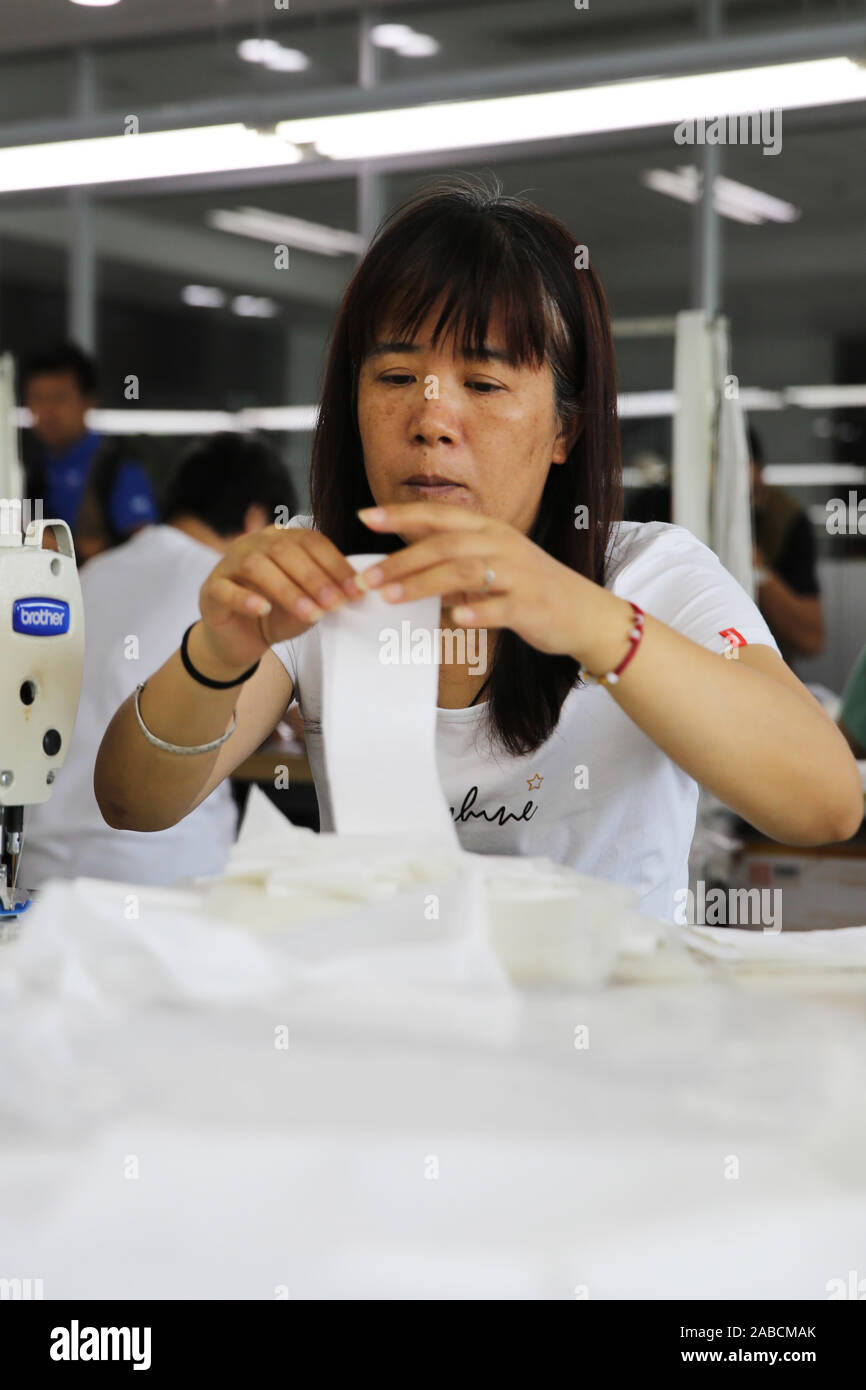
<point x="177" y="747"/>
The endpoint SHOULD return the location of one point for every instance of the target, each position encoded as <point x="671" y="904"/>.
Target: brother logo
<point x="41" y="617"/>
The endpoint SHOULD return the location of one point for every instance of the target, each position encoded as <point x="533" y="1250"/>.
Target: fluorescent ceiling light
<point x="404" y="40"/>
<point x="685" y="184"/>
<point x="826" y="397"/>
<point x="280" y="417"/>
<point x="735" y="200"/>
<point x="289" y="418"/>
<point x="159" y="154"/>
<point x="755" y="398"/>
<point x="776" y="474"/>
<point x="629" y="105"/>
<point x="252" y="306"/>
<point x="287" y="60"/>
<point x="94" y="3"/>
<point x="784" y="474"/>
<point x="203" y="296"/>
<point x="272" y="55"/>
<point x="277" y="229"/>
<point x="643" y="405"/>
<point x="390" y="35"/>
<point x="163" y="421"/>
<point x="418" y="46"/>
<point x="254" y="50"/>
<point x="747" y="199"/>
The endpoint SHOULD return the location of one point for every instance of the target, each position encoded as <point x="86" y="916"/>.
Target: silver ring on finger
<point x="489" y="577"/>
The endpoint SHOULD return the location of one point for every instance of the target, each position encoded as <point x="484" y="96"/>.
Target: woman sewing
<point x="468" y="428"/>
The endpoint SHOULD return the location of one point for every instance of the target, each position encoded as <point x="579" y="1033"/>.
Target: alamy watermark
<point x="441" y="646"/>
<point x="77" y="1343"/>
<point x="758" y="128"/>
<point x="846" y="519"/>
<point x="732" y="907"/>
<point x="854" y="1287"/>
<point x="21" y="1289"/>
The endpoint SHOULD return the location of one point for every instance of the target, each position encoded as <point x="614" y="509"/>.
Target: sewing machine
<point x="41" y="652"/>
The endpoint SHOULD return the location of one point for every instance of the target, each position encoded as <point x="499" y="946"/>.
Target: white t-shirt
<point x="145" y="589"/>
<point x="599" y="795"/>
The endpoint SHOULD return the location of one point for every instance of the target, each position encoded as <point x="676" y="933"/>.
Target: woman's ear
<point x="567" y="438"/>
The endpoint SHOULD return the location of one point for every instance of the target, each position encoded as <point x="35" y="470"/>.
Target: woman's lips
<point x="421" y="486"/>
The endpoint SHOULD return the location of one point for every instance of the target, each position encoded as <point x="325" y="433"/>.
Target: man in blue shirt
<point x="81" y="476"/>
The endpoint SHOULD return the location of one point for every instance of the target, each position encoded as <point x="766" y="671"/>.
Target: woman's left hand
<point x="540" y="599"/>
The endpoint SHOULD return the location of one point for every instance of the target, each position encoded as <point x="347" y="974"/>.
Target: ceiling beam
<point x="201" y="257"/>
<point x="771" y="260"/>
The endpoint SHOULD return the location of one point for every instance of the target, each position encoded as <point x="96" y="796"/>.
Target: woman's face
<point x="437" y="425"/>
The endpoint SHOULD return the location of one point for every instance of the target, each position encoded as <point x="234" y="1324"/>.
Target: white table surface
<point x="562" y="1172"/>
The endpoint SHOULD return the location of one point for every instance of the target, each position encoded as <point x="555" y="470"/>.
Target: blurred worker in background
<point x="139" y="598"/>
<point x="786" y="581"/>
<point x="650" y="499"/>
<point x="87" y="479"/>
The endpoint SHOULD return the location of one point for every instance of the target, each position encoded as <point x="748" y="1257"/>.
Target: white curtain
<point x="710" y="484"/>
<point x="730" y="505"/>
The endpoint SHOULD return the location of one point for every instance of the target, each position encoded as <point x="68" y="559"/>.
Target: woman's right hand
<point x="270" y="586"/>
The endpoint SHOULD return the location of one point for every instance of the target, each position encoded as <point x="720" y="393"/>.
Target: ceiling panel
<point x="50" y="23"/>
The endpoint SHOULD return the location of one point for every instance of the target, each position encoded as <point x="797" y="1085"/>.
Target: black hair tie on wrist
<point x="204" y="680"/>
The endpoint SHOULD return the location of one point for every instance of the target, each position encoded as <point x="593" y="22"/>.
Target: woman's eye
<point x="484" y="388"/>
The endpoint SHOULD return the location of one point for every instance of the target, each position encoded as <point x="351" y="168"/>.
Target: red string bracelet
<point x="635" y="634"/>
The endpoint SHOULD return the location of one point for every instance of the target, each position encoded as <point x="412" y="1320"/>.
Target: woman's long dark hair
<point x="485" y="251"/>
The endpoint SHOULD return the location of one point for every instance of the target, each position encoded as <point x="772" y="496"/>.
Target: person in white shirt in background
<point x="138" y="600"/>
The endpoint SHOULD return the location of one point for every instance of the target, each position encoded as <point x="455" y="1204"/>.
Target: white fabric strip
<point x="379" y="716"/>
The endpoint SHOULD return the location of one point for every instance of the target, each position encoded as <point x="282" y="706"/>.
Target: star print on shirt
<point x="534" y="782"/>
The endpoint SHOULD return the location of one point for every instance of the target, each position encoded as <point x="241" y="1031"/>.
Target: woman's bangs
<point x="472" y="284"/>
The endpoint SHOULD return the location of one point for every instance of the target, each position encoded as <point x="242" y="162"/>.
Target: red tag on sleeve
<point x="736" y="639"/>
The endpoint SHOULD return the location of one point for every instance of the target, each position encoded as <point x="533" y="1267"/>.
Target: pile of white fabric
<point x="536" y="919"/>
<point x="295" y="908"/>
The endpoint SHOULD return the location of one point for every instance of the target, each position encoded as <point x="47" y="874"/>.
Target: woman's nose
<point x="435" y="409"/>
